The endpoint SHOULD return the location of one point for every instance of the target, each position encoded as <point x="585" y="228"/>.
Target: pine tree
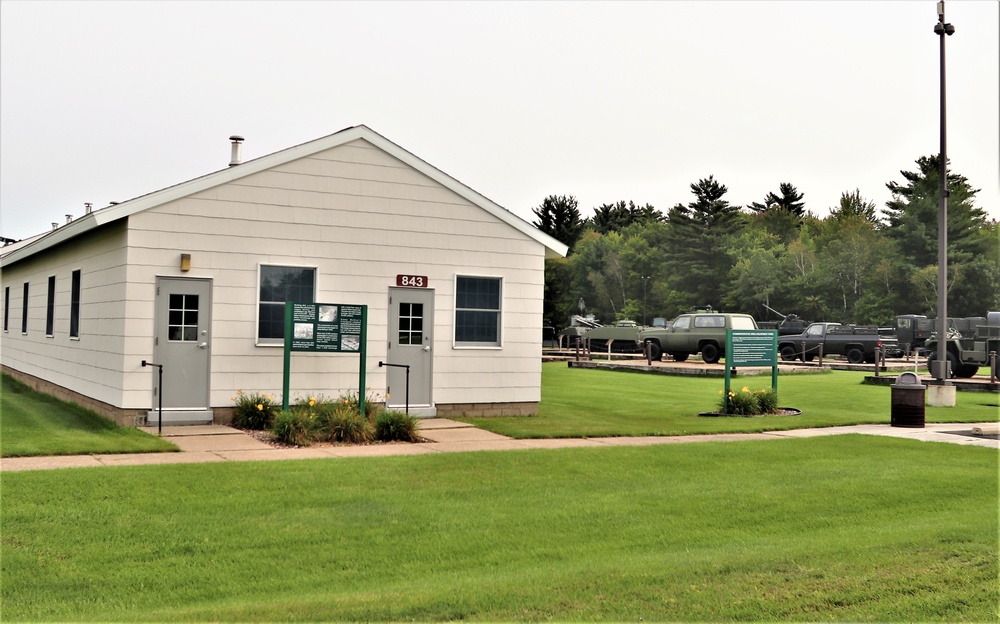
<point x="618" y="216"/>
<point x="699" y="265"/>
<point x="853" y="205"/>
<point x="790" y="200"/>
<point x="559" y="217"/>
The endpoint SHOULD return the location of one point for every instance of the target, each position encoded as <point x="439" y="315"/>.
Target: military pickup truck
<point x="857" y="344"/>
<point x="698" y="332"/>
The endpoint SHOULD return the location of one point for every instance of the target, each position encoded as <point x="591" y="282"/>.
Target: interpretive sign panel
<point x="326" y="327"/>
<point x="752" y="347"/>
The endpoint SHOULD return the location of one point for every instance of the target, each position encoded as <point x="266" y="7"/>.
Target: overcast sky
<point x="105" y="101"/>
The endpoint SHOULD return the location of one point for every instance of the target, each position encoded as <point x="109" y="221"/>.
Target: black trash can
<point x="909" y="397"/>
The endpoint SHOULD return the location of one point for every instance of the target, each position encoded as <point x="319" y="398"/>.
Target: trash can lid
<point x="907" y="379"/>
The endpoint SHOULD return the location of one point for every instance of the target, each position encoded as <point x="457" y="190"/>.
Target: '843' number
<point x="415" y="281"/>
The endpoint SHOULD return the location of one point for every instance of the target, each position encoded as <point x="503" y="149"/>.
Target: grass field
<point x="846" y="528"/>
<point x="588" y="402"/>
<point x="38" y="424"/>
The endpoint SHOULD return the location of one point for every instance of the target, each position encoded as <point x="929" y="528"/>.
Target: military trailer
<point x="966" y="354"/>
<point x="621" y="337"/>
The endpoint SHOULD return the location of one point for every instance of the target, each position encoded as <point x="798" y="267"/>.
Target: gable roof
<point x="103" y="216"/>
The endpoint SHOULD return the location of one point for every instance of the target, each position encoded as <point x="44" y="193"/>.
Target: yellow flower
<point x="260" y="408"/>
<point x="312" y="401"/>
<point x="746" y="389"/>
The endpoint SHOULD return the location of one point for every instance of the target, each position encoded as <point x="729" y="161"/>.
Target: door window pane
<point x="411" y="323"/>
<point x="182" y="318"/>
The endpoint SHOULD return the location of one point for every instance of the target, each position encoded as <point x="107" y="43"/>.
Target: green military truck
<point x="965" y="354"/>
<point x="702" y="332"/>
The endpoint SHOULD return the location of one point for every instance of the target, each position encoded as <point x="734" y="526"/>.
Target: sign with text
<point x="326" y="327"/>
<point x="412" y="281"/>
<point x="752" y="347"/>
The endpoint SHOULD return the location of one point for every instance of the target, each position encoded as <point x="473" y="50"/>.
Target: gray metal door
<point x="183" y="341"/>
<point x="411" y="341"/>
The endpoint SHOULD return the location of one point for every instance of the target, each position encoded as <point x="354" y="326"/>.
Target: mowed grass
<point x="845" y="528"/>
<point x="32" y="423"/>
<point x="579" y="402"/>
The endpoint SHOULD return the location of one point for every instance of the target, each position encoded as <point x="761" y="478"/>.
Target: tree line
<point x="859" y="264"/>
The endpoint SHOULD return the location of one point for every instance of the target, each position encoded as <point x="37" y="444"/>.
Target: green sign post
<point x="327" y="328"/>
<point x="751" y="347"/>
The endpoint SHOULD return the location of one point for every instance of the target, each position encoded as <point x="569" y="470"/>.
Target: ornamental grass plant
<point x="319" y="419"/>
<point x="255" y="411"/>
<point x="395" y="426"/>
<point x="338" y="421"/>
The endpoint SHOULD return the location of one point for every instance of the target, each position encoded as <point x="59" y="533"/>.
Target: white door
<point x="411" y="341"/>
<point x="182" y="344"/>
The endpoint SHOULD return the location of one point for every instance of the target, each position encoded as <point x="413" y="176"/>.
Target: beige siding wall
<point x="92" y="364"/>
<point x="360" y="217"/>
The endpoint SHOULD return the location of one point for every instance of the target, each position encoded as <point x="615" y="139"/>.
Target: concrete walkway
<point x="217" y="443"/>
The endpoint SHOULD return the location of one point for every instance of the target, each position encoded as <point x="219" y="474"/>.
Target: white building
<point x="194" y="277"/>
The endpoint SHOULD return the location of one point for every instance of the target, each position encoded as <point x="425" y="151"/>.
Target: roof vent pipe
<point x="88" y="207"/>
<point x="236" y="158"/>
<point x="55" y="225"/>
<point x="69" y="218"/>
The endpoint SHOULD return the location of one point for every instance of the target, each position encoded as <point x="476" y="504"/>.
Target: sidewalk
<point x="217" y="443"/>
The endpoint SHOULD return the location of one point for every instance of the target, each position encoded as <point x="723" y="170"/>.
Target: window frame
<point x="76" y="279"/>
<point x="50" y="308"/>
<point x="24" y="310"/>
<point x="467" y="344"/>
<point x="278" y="342"/>
<point x="709" y="321"/>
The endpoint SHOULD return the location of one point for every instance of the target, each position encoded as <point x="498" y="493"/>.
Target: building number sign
<point x="413" y="281"/>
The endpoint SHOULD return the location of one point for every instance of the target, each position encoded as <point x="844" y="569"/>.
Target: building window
<point x="477" y="311"/>
<point x="50" y="306"/>
<point x="24" y="310"/>
<point x="74" y="306"/>
<point x="6" y="308"/>
<point x="279" y="284"/>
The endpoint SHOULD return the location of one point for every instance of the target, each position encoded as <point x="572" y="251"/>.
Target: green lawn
<point x="591" y="402"/>
<point x="846" y="528"/>
<point x="33" y="423"/>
